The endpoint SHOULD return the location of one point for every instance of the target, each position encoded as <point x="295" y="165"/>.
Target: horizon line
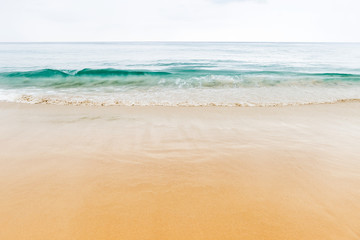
<point x="150" y="41"/>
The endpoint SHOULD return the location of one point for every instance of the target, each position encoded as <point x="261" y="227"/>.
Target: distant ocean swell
<point x="177" y="87"/>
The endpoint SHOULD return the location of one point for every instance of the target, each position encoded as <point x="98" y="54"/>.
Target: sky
<point x="180" y="20"/>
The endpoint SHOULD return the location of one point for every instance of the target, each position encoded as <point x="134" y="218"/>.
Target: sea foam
<point x="180" y="74"/>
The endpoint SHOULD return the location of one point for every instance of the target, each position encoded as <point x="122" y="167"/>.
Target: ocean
<point x="179" y="73"/>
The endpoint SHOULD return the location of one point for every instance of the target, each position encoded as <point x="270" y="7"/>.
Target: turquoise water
<point x="172" y="74"/>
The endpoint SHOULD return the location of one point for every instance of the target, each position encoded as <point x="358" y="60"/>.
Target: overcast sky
<point x="180" y="20"/>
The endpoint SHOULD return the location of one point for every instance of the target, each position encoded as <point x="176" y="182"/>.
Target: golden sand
<point x="156" y="173"/>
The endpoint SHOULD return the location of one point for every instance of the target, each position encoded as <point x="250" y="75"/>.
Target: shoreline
<point x="152" y="172"/>
<point x="90" y="103"/>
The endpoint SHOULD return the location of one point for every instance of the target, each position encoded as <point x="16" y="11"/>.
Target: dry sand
<point x="156" y="173"/>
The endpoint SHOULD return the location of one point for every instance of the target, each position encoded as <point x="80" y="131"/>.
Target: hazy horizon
<point x="188" y="41"/>
<point x="187" y="20"/>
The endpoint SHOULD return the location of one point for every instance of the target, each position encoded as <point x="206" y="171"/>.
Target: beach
<point x="155" y="172"/>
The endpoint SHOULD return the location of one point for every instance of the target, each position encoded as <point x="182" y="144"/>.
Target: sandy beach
<point x="250" y="173"/>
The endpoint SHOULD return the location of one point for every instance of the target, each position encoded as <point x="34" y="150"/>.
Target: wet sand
<point x="70" y="172"/>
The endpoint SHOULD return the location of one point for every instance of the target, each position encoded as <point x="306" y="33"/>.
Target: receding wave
<point x="159" y="96"/>
<point x="93" y="102"/>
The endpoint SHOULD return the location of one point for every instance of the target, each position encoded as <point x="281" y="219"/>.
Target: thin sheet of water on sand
<point x="179" y="173"/>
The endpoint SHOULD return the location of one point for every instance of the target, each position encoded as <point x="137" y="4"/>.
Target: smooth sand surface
<point x="156" y="173"/>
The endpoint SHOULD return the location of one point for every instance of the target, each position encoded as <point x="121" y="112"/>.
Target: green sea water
<point x="194" y="74"/>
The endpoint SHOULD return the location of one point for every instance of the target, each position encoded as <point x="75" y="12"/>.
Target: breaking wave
<point x="53" y="78"/>
<point x="177" y="87"/>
